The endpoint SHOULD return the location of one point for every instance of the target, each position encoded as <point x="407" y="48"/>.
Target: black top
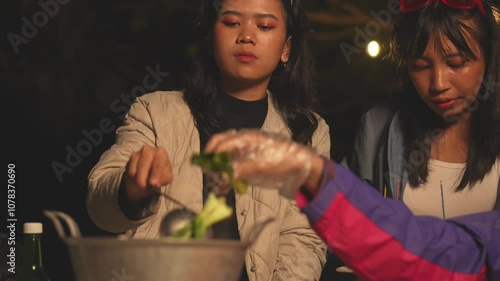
<point x="237" y="114"/>
<point x="242" y="114"/>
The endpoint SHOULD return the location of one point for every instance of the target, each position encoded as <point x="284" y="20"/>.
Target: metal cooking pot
<point x="163" y="259"/>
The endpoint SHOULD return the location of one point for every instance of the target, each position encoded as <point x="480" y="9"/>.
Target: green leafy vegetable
<point x="219" y="163"/>
<point x="214" y="210"/>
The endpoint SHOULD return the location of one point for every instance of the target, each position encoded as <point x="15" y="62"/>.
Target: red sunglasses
<point x="415" y="5"/>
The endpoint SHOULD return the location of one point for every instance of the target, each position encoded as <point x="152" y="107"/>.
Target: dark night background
<point x="64" y="79"/>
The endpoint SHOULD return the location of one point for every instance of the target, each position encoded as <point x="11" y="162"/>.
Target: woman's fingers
<point x="221" y="139"/>
<point x="247" y="169"/>
<point x="131" y="167"/>
<point x="144" y="164"/>
<point x="148" y="167"/>
<point x="161" y="169"/>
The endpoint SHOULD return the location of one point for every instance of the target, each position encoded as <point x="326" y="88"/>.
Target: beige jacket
<point x="288" y="249"/>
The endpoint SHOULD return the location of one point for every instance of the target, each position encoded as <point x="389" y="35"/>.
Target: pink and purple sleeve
<point x="380" y="239"/>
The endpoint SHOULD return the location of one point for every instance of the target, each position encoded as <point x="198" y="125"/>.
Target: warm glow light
<point x="373" y="49"/>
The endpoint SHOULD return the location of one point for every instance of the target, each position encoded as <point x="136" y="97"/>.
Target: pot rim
<point x="159" y="242"/>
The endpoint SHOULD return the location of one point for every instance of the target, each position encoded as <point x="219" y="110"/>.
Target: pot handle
<point x="57" y="217"/>
<point x="257" y="229"/>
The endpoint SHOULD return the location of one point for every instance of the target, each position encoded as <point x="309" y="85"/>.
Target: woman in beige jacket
<point x="255" y="71"/>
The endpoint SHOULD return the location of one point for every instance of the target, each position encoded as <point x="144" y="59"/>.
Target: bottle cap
<point x="33" y="227"/>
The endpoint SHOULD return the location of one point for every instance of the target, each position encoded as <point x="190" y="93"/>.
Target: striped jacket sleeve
<point x="380" y="239"/>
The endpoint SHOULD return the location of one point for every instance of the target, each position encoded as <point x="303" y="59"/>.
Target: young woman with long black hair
<point x="255" y="71"/>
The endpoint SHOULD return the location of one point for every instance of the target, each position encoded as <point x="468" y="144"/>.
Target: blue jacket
<point x="381" y="239"/>
<point x="378" y="151"/>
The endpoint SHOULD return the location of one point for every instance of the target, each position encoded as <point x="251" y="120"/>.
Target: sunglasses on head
<point x="415" y="5"/>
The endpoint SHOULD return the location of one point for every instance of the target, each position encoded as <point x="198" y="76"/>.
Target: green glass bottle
<point x="32" y="269"/>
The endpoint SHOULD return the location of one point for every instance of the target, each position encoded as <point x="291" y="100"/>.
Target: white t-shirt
<point x="438" y="197"/>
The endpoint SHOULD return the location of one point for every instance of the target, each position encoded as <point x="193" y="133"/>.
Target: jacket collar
<point x="274" y="120"/>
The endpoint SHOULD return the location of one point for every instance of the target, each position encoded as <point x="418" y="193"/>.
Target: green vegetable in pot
<point x="214" y="210"/>
<point x="218" y="167"/>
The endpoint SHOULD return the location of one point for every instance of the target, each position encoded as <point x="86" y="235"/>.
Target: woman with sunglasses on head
<point x="436" y="146"/>
<point x="378" y="238"/>
<point x="255" y="71"/>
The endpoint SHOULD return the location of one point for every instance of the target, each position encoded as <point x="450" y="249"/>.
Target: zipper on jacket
<point x="398" y="189"/>
<point x="442" y="201"/>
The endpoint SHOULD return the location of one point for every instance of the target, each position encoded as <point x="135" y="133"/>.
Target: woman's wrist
<point x="315" y="175"/>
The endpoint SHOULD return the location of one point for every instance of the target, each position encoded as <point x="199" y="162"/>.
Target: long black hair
<point x="292" y="86"/>
<point x="412" y="32"/>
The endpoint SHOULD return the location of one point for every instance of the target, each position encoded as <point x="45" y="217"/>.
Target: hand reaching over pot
<point x="269" y="160"/>
<point x="148" y="167"/>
